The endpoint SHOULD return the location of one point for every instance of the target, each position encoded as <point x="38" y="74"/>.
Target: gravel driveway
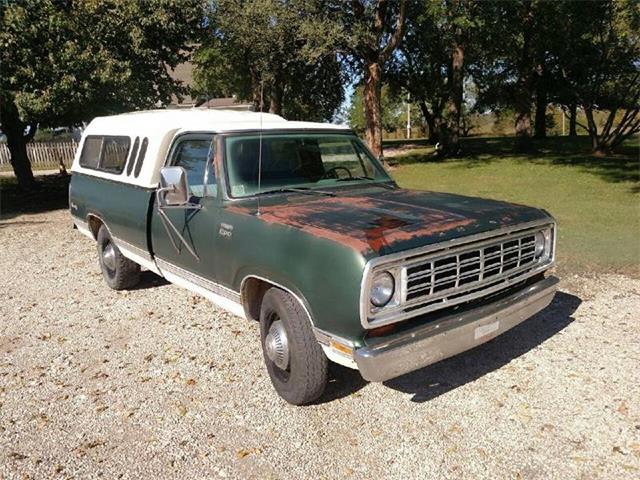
<point x="158" y="383"/>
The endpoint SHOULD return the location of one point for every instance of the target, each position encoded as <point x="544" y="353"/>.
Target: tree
<point x="66" y="62"/>
<point x="600" y="69"/>
<point x="421" y="67"/>
<point x="431" y="64"/>
<point x="364" y="34"/>
<point x="254" y="51"/>
<point x="515" y="43"/>
<point x="392" y="108"/>
<point x="460" y="16"/>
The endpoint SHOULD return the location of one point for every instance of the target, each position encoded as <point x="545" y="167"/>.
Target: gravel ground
<point x="158" y="383"/>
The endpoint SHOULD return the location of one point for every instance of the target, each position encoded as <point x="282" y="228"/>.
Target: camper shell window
<point x="105" y="153"/>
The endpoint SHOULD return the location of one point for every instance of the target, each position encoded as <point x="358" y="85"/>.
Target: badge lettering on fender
<point x="226" y="230"/>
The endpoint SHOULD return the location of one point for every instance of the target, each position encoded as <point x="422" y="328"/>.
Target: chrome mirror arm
<point x="166" y="222"/>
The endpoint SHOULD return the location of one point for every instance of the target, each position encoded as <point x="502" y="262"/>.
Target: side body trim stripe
<point x="216" y="288"/>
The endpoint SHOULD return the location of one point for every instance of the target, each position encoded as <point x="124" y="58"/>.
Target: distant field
<point x="596" y="201"/>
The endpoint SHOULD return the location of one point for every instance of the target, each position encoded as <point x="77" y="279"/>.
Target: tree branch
<point x="635" y="128"/>
<point x="397" y="35"/>
<point x="609" y="123"/>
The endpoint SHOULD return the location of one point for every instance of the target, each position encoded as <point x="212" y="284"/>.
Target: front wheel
<point x="295" y="361"/>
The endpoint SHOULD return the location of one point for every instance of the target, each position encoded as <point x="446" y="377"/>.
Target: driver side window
<point x="195" y="155"/>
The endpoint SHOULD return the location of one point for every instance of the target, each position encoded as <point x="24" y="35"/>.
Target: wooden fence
<point x="43" y="155"/>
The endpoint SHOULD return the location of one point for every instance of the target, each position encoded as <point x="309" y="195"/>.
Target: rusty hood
<point x="377" y="221"/>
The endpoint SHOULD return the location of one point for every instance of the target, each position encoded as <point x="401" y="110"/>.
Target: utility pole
<point x="408" y="116"/>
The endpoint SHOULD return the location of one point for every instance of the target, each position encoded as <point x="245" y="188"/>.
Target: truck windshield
<point x="301" y="160"/>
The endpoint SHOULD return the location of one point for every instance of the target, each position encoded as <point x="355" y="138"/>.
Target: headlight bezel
<point x="380" y="277"/>
<point x="547" y="238"/>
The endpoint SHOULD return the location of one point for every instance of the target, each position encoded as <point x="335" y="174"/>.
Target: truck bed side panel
<point x="123" y="207"/>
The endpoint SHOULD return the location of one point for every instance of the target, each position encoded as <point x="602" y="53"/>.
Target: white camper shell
<point x="151" y="134"/>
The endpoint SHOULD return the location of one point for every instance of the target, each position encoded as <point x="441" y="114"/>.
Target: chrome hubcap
<point x="109" y="256"/>
<point x="277" y="345"/>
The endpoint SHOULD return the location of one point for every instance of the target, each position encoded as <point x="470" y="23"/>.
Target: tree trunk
<point x="444" y="136"/>
<point x="455" y="104"/>
<point x="573" y="120"/>
<point x="256" y="90"/>
<point x="524" y="93"/>
<point x="604" y="142"/>
<point x="430" y="121"/>
<point x="523" y="124"/>
<point x="14" y="129"/>
<point x="592" y="128"/>
<point x="20" y="160"/>
<point x="275" y="101"/>
<point x="373" y="116"/>
<point x="541" y="113"/>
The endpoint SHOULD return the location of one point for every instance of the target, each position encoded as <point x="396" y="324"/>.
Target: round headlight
<point x="382" y="289"/>
<point x="540" y="244"/>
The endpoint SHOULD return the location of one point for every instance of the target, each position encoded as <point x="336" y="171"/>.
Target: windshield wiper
<point x="364" y="177"/>
<point x="308" y="191"/>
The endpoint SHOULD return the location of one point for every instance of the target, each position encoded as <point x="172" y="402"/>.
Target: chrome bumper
<point x="456" y="333"/>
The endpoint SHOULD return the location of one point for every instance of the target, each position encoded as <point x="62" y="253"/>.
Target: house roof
<point x="228" y="103"/>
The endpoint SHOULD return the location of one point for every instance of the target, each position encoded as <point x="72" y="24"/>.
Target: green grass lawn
<point x="596" y="201"/>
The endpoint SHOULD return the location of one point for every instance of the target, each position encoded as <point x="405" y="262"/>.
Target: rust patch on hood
<point x="360" y="222"/>
<point x="381" y="221"/>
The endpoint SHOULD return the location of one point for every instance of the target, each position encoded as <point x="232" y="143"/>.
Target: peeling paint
<point x="382" y="222"/>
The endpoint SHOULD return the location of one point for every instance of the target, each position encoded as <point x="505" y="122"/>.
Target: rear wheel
<point x="295" y="361"/>
<point x="119" y="272"/>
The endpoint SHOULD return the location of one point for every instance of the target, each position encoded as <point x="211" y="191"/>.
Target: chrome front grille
<point x="439" y="276"/>
<point x="450" y="273"/>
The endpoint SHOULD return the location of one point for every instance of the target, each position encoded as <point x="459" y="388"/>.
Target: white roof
<point x="196" y="119"/>
<point x="161" y="126"/>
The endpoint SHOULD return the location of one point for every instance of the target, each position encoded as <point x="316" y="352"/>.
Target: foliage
<point x="432" y="61"/>
<point x="393" y="111"/>
<point x="66" y="62"/>
<point x="564" y="53"/>
<point x="422" y="64"/>
<point x="599" y="68"/>
<point x="364" y="34"/>
<point x="255" y="51"/>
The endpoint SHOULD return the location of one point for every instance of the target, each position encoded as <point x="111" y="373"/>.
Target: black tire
<point x="119" y="272"/>
<point x="305" y="377"/>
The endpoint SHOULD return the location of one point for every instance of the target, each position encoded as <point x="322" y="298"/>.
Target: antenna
<point x="260" y="146"/>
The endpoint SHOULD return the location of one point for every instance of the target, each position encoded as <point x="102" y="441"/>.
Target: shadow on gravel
<point x="50" y="193"/>
<point x="148" y="279"/>
<point x="343" y="382"/>
<point x="442" y="377"/>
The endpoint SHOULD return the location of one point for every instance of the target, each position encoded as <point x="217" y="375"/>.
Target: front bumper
<point x="456" y="333"/>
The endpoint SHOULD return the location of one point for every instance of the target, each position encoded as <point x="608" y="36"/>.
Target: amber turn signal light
<point x="342" y="348"/>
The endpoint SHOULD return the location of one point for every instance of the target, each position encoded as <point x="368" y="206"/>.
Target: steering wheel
<point x="333" y="172"/>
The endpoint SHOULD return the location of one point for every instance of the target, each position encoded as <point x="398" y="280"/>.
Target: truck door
<point x="183" y="237"/>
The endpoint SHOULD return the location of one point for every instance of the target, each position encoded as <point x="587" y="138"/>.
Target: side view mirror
<point x="174" y="187"/>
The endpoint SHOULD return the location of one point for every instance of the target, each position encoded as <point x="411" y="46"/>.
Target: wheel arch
<point x="252" y="290"/>
<point x="95" y="221"/>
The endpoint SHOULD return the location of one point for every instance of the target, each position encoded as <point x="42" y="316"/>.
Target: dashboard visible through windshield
<point x="297" y="161"/>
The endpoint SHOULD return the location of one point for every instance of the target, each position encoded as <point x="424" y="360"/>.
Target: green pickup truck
<point x="297" y="226"/>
